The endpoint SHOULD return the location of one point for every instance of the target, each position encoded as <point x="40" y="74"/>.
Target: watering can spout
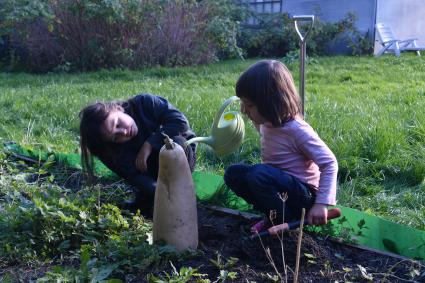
<point x="227" y="133"/>
<point x="208" y="140"/>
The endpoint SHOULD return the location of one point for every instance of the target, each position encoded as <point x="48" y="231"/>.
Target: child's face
<point x="119" y="127"/>
<point x="250" y="109"/>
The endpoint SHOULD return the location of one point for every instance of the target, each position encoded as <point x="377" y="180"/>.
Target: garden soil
<point x="222" y="236"/>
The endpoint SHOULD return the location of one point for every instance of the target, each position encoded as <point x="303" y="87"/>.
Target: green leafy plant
<point x="341" y="229"/>
<point x="185" y="274"/>
<point x="223" y="266"/>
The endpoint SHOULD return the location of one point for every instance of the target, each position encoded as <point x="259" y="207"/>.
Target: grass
<point x="369" y="111"/>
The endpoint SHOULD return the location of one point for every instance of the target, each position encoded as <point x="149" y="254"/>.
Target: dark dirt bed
<point x="221" y="236"/>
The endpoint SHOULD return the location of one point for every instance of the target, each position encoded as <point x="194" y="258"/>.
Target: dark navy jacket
<point x="153" y="115"/>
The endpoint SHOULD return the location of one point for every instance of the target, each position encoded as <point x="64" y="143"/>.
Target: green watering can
<point x="227" y="133"/>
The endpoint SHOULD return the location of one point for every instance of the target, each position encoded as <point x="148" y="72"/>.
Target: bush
<point x="49" y="35"/>
<point x="275" y="36"/>
<point x="93" y="34"/>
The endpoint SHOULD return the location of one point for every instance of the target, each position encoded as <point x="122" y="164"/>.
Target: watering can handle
<point x="222" y="108"/>
<point x="215" y="123"/>
<point x="304" y="18"/>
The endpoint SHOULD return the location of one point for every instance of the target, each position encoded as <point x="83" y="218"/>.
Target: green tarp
<point x="366" y="229"/>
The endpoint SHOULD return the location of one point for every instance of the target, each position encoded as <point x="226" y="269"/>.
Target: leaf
<point x="83" y="215"/>
<point x="232" y="275"/>
<point x="361" y="224"/>
<point x="390" y="245"/>
<point x="102" y="273"/>
<point x="364" y="273"/>
<point x="84" y="256"/>
<point x="310" y="256"/>
<point x="64" y="245"/>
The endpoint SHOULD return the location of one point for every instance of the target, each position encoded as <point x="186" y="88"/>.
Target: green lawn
<point x="370" y="111"/>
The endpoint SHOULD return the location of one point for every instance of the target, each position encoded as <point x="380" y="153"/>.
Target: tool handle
<point x="332" y="213"/>
<point x="303" y="18"/>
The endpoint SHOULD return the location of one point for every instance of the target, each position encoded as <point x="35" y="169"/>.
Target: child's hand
<point x="142" y="157"/>
<point x="318" y="214"/>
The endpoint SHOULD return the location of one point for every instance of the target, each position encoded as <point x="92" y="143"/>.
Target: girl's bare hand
<point x="142" y="157"/>
<point x="318" y="214"/>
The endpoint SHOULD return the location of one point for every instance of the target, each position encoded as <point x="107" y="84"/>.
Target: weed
<point x="185" y="274"/>
<point x="224" y="266"/>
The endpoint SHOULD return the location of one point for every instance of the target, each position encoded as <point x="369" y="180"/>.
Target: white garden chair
<point x="391" y="44"/>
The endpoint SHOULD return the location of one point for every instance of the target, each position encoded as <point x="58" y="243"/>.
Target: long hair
<point x="270" y="86"/>
<point x="92" y="118"/>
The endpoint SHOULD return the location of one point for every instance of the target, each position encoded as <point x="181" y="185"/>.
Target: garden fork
<point x="303" y="39"/>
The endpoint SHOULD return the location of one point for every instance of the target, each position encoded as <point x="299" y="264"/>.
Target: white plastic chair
<point x="391" y="44"/>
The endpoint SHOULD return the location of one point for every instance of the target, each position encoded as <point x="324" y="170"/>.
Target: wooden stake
<point x="300" y="236"/>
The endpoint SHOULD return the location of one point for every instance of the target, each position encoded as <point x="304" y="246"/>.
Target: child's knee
<point x="234" y="175"/>
<point x="256" y="177"/>
<point x="229" y="176"/>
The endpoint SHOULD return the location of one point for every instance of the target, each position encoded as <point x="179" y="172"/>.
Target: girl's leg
<point x="236" y="178"/>
<point x="144" y="194"/>
<point x="266" y="184"/>
<point x="144" y="191"/>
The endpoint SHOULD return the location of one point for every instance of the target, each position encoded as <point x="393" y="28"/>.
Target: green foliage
<point x="185" y="274"/>
<point x="46" y="35"/>
<point x="41" y="221"/>
<point x="223" y="26"/>
<point x="220" y="263"/>
<point x="275" y="36"/>
<point x="22" y="11"/>
<point x="269" y="38"/>
<point x="224" y="266"/>
<point x="341" y="229"/>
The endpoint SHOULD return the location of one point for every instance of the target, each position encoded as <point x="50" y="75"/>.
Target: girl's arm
<point x="161" y="116"/>
<point x="315" y="149"/>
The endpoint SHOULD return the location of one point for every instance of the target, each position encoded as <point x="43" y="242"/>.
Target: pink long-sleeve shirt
<point x="298" y="150"/>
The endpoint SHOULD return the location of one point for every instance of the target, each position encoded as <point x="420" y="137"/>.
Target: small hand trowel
<point x="275" y="230"/>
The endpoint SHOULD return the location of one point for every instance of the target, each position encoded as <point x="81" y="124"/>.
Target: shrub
<point x="93" y="34"/>
<point x="275" y="36"/>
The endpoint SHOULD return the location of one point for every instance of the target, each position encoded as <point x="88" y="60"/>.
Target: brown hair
<point x="92" y="144"/>
<point x="270" y="86"/>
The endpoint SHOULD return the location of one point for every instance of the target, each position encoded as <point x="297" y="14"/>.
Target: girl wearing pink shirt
<point x="295" y="161"/>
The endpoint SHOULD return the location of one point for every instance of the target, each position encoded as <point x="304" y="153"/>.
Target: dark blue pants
<point x="261" y="185"/>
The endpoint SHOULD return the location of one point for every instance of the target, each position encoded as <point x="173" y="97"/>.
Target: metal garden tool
<point x="303" y="44"/>
<point x="275" y="230"/>
<point x="227" y="133"/>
